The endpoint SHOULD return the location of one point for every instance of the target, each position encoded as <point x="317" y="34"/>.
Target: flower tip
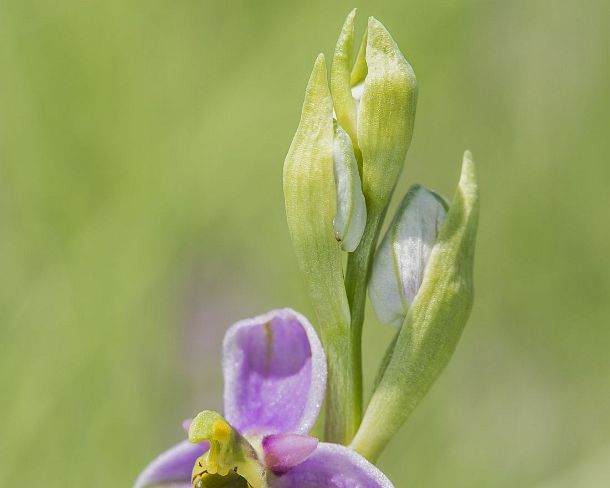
<point x="376" y="27"/>
<point x="317" y="79"/>
<point x="468" y="176"/>
<point x="380" y="39"/>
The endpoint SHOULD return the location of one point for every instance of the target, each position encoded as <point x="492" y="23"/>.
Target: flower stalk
<point x="380" y="120"/>
<point x="356" y="278"/>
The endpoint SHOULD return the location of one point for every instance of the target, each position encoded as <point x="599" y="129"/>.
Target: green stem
<point x="356" y="279"/>
<point x="341" y="422"/>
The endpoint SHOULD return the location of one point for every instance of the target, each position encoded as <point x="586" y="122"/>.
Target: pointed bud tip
<point x="317" y="84"/>
<point x="468" y="176"/>
<point x="377" y="30"/>
<point x="374" y="23"/>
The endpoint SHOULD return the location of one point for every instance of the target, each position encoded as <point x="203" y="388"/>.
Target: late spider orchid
<point x="275" y="379"/>
<point x="339" y="176"/>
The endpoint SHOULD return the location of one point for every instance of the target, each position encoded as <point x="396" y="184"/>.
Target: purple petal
<point x="284" y="451"/>
<point x="333" y="466"/>
<point x="173" y="468"/>
<point x="275" y="373"/>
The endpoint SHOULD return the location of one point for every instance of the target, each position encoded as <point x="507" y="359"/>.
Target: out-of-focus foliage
<point x="141" y="212"/>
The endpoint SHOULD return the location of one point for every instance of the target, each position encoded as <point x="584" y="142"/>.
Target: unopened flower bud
<point x="400" y="262"/>
<point x="433" y="325"/>
<point x="311" y="201"/>
<point x="375" y="102"/>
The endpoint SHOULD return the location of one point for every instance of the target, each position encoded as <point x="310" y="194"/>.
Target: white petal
<point x="350" y="218"/>
<point x="400" y="262"/>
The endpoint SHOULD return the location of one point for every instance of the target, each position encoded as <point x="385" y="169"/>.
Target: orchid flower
<point x="274" y="368"/>
<point x="339" y="176"/>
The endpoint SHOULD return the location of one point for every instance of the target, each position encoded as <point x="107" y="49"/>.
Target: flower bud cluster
<point x="339" y="176"/>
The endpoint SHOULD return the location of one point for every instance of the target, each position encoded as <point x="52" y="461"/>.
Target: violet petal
<point x="173" y="468"/>
<point x="275" y="373"/>
<point x="284" y="451"/>
<point x="333" y="466"/>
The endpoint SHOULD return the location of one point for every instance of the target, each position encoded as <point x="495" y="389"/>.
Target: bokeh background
<point x="141" y="213"/>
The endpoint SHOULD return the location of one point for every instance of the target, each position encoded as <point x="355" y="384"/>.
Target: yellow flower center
<point x="231" y="461"/>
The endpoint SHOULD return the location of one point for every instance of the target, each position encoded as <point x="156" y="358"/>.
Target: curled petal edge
<point x="173" y="467"/>
<point x="333" y="465"/>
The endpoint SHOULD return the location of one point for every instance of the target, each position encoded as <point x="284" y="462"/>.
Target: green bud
<point x="400" y="261"/>
<point x="311" y="201"/>
<point x="433" y="324"/>
<point x="375" y="101"/>
<point x="386" y="114"/>
<point x="350" y="217"/>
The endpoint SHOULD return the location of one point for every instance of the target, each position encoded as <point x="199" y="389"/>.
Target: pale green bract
<point x="310" y="197"/>
<point x="311" y="206"/>
<point x="433" y="324"/>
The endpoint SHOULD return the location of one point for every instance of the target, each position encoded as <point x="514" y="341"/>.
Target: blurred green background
<point x="141" y="213"/>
